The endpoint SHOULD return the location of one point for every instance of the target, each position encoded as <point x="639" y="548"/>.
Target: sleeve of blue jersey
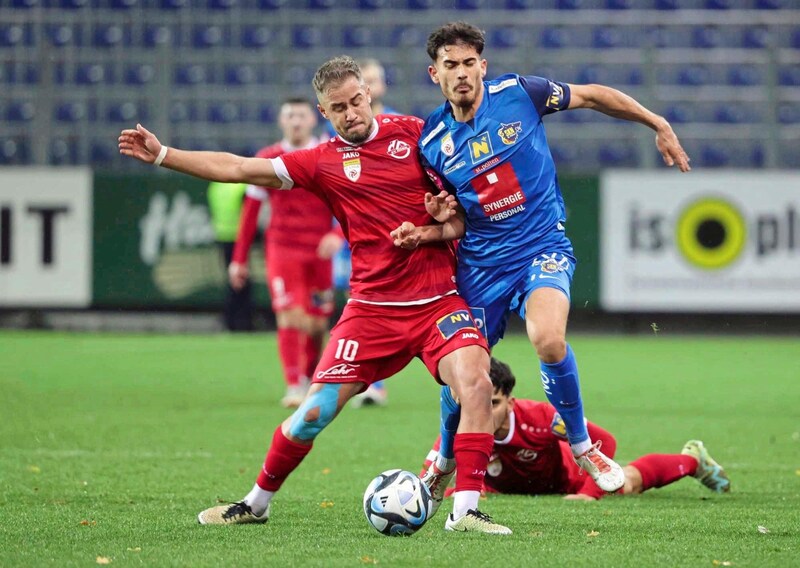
<point x="546" y="95"/>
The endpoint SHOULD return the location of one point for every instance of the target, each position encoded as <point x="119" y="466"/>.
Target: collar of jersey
<point x="371" y="136"/>
<point x="512" y="420"/>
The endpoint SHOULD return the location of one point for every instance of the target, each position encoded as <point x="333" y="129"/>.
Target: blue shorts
<point x="492" y="293"/>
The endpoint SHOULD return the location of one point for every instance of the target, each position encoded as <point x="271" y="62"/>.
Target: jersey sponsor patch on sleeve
<point x="557" y="427"/>
<point x="556" y="98"/>
<point x="454" y="322"/>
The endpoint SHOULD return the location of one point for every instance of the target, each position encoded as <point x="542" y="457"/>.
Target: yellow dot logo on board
<point x="711" y="233"/>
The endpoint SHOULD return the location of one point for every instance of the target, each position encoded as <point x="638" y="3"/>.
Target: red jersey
<point x="298" y="220"/>
<point x="372" y="188"/>
<point x="535" y="457"/>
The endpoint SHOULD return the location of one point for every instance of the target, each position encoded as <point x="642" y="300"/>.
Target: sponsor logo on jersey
<point x="480" y="147"/>
<point x="557" y="427"/>
<point x="352" y="169"/>
<point x="499" y="192"/>
<point x="339" y="371"/>
<point x="470" y="335"/>
<point x="458" y="166"/>
<point x="525" y="455"/>
<point x="486" y="165"/>
<point x="509" y="133"/>
<point x="345" y="149"/>
<point x="399" y="149"/>
<point x="350" y="155"/>
<point x="550" y="264"/>
<point x="556" y="97"/>
<point x="448" y="146"/>
<point x="434" y="132"/>
<point x="454" y="322"/>
<point x="502" y="85"/>
<point x="479" y="317"/>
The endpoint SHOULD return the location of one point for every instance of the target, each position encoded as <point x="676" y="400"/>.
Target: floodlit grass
<point x="111" y="444"/>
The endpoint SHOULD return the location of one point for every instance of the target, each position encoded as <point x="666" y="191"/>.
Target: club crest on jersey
<point x="454" y="322"/>
<point x="509" y="133"/>
<point x="352" y="169"/>
<point x="480" y="147"/>
<point x="550" y="264"/>
<point x="448" y="147"/>
<point x="399" y="149"/>
<point x="557" y="427"/>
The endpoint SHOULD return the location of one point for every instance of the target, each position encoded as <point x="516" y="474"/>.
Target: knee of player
<point x="476" y="388"/>
<point x="551" y="346"/>
<point x="315" y="413"/>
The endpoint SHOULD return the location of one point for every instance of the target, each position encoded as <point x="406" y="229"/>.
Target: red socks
<point x="289" y="352"/>
<point x="283" y="457"/>
<point x="472" y="456"/>
<point x="659" y="470"/>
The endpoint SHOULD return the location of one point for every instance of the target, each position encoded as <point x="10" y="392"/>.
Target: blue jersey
<point x="500" y="168"/>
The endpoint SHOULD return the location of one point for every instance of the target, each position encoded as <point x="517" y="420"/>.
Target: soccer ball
<point x="397" y="503"/>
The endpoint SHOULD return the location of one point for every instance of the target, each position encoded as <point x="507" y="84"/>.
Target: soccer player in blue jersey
<point x="488" y="144"/>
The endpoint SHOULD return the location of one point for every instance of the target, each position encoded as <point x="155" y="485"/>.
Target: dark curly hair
<point x="502" y="377"/>
<point x="455" y="33"/>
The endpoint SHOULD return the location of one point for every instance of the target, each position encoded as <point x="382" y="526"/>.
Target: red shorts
<point x="300" y="283"/>
<point x="372" y="342"/>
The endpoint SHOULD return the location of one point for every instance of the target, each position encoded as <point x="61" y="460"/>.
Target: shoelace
<point x="593" y="456"/>
<point x="482" y="516"/>
<point x="239" y="509"/>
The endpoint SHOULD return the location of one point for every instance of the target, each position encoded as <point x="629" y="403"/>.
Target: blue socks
<point x="560" y="383"/>
<point x="450" y="415"/>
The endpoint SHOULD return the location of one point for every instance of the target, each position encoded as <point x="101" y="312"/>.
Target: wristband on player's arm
<point x="161" y="155"/>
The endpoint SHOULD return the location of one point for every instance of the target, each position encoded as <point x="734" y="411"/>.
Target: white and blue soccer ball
<point x="397" y="503"/>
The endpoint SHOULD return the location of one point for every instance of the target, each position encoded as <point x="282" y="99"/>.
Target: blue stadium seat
<point x="155" y="35"/>
<point x="139" y="74"/>
<point x="371" y="4"/>
<point x="222" y="4"/>
<point x="225" y="112"/>
<point x="770" y="4"/>
<point x="102" y="152"/>
<point x="788" y="113"/>
<point x="11" y="151"/>
<point x="357" y="36"/>
<point x="92" y="74"/>
<point x="419" y="4"/>
<point x="204" y="37"/>
<point x="271" y="4"/>
<point x="519" y="4"/>
<point x="192" y="74"/>
<point x="62" y="34"/>
<point x="12" y="35"/>
<point x="173" y="4"/>
<point x="694" y="75"/>
<point x="256" y="36"/>
<point x="714" y="155"/>
<point x="63" y="151"/>
<point x="182" y="111"/>
<point x="299" y="76"/>
<point x="240" y="75"/>
<point x="565" y="155"/>
<point x="745" y="75"/>
<point x="321" y="4"/>
<point x="266" y="114"/>
<point x="72" y="111"/>
<point x="108" y="36"/>
<point x="706" y="37"/>
<point x="718" y="4"/>
<point x="618" y="4"/>
<point x="679" y="113"/>
<point x="24" y="4"/>
<point x="505" y="37"/>
<point x="616" y="154"/>
<point x="796" y="39"/>
<point x="123" y="4"/>
<point x="306" y="37"/>
<point x="757" y="37"/>
<point x="20" y="111"/>
<point x="74" y="4"/>
<point x="127" y="111"/>
<point x="554" y="38"/>
<point x="407" y="36"/>
<point x="568" y="4"/>
<point x="667" y="5"/>
<point x="470" y="4"/>
<point x="731" y="114"/>
<point x="606" y="37"/>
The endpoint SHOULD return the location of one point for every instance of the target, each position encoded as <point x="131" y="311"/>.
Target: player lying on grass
<point x="531" y="455"/>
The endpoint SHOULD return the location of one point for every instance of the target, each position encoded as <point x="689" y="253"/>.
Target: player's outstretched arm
<point x="409" y="236"/>
<point x="619" y="105"/>
<point x="143" y="145"/>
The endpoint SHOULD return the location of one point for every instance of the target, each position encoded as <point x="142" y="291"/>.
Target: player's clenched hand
<point x="406" y="236"/>
<point x="329" y="245"/>
<point x="441" y="206"/>
<point x="579" y="497"/>
<point x="671" y="150"/>
<point x="238" y="275"/>
<point x="139" y="143"/>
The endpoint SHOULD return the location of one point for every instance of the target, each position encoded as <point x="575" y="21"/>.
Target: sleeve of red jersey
<point x="248" y="222"/>
<point x="298" y="168"/>
<point x="609" y="447"/>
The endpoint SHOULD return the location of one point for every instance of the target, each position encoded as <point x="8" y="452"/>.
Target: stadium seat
<point x="407" y="36"/>
<point x="788" y="113"/>
<point x="770" y="4"/>
<point x="298" y="76"/>
<point x="693" y="75"/>
<point x="256" y="36"/>
<point x="357" y="36"/>
<point x="321" y="4"/>
<point x="222" y="4"/>
<point x="745" y="75"/>
<point x="667" y="5"/>
<point x="123" y="4"/>
<point x="72" y="111"/>
<point x="568" y="4"/>
<point x="564" y="154"/>
<point x="126" y="111"/>
<point x="61" y="34"/>
<point x="192" y="74"/>
<point x="266" y="114"/>
<point x="11" y="35"/>
<point x="63" y="151"/>
<point x="20" y="111"/>
<point x="173" y="4"/>
<point x="240" y="75"/>
<point x="24" y="4"/>
<point x="505" y="37"/>
<point x="306" y="37"/>
<point x="679" y="114"/>
<point x="108" y="36"/>
<point x="225" y="112"/>
<point x="618" y="4"/>
<point x="616" y="154"/>
<point x="714" y="155"/>
<point x="371" y="4"/>
<point x="519" y="4"/>
<point x="102" y="152"/>
<point x="554" y="38"/>
<point x="271" y="4"/>
<point x="733" y="113"/>
<point x="156" y="35"/>
<point x="470" y="4"/>
<point x="139" y="74"/>
<point x="706" y="37"/>
<point x="73" y="4"/>
<point x="606" y="37"/>
<point x="204" y="37"/>
<point x="91" y="74"/>
<point x="419" y="4"/>
<point x="718" y="4"/>
<point x="756" y="37"/>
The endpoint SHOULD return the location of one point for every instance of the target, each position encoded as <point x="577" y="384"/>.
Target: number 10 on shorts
<point x="346" y="349"/>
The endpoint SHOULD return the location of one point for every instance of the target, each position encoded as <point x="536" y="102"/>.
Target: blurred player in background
<point x="225" y="206"/>
<point x="299" y="245"/>
<point x="488" y="143"/>
<point x="374" y="75"/>
<point x="403" y="304"/>
<point x="531" y="454"/>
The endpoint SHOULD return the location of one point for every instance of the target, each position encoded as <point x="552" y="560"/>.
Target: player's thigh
<point x="488" y="293"/>
<point x="287" y="285"/>
<point x="543" y="297"/>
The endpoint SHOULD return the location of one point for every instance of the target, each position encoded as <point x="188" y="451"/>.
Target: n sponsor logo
<point x="480" y="147"/>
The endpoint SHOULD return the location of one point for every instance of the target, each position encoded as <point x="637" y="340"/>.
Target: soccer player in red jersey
<point x="403" y="304"/>
<point x="299" y="245"/>
<point x="532" y="456"/>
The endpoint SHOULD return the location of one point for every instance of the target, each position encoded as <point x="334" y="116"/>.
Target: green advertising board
<point x="582" y="199"/>
<point x="154" y="244"/>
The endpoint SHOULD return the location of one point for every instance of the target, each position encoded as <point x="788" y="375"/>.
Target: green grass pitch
<point x="111" y="444"/>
